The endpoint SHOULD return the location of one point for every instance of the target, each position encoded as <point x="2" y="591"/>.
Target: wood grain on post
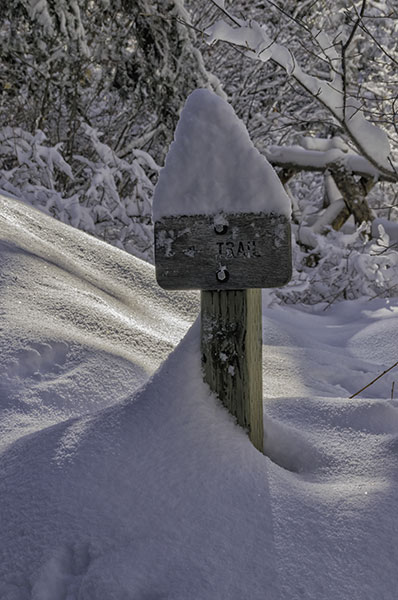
<point x="231" y="345"/>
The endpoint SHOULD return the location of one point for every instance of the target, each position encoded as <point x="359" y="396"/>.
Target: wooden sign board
<point x="223" y="252"/>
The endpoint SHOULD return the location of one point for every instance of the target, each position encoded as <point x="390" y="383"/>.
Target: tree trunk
<point x="354" y="195"/>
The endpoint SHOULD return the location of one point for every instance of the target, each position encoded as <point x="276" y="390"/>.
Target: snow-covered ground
<point x="121" y="476"/>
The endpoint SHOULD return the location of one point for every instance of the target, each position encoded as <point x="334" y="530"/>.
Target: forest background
<point x="91" y="93"/>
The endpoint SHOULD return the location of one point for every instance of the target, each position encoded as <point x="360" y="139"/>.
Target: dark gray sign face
<point x="223" y="252"/>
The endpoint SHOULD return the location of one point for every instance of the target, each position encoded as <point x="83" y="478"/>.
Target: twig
<point x="374" y="380"/>
<point x="392" y="390"/>
<point x="344" y="51"/>
<point x="226" y="13"/>
<point x="291" y="17"/>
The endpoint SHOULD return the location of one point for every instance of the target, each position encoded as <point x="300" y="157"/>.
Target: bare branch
<point x="344" y="51"/>
<point x="374" y="380"/>
<point x="226" y="13"/>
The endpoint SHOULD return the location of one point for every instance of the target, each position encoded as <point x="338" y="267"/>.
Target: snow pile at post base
<point x="212" y="166"/>
<point x="156" y="492"/>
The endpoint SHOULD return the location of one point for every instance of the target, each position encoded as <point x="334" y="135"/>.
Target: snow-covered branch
<point x="308" y="159"/>
<point x="371" y="142"/>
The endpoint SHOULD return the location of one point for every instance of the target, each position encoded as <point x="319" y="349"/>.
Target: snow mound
<point x="213" y="167"/>
<point x="85" y="322"/>
<point x="122" y="476"/>
<point x="157" y="473"/>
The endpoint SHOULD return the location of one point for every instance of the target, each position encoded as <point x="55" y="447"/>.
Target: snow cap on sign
<point x="212" y="166"/>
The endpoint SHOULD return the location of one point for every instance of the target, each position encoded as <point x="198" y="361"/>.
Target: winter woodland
<point x="91" y="93"/>
<point x="122" y="476"/>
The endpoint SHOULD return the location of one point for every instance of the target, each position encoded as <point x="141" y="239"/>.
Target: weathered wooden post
<point x="223" y="228"/>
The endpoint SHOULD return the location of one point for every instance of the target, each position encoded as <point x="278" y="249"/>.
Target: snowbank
<point x="119" y="483"/>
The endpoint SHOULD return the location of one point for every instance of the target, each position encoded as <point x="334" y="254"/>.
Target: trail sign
<point x="223" y="252"/>
<point x="222" y="226"/>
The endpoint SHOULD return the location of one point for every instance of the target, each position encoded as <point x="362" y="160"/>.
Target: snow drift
<point x="122" y="477"/>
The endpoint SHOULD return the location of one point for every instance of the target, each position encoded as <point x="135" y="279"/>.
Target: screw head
<point x="220" y="228"/>
<point x="222" y="275"/>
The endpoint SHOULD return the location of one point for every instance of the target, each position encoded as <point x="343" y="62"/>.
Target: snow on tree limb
<point x="60" y="16"/>
<point x="370" y="140"/>
<point x="309" y="159"/>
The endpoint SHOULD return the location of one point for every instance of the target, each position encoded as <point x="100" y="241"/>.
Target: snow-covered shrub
<point x="343" y="266"/>
<point x="97" y="192"/>
<point x="91" y="91"/>
<point x="117" y="194"/>
<point x="30" y="170"/>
